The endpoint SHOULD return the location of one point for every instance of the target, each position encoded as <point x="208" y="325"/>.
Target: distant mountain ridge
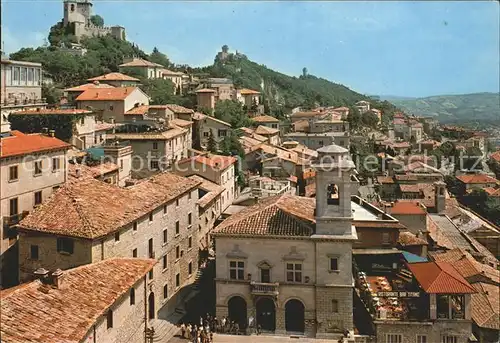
<point x="462" y="108"/>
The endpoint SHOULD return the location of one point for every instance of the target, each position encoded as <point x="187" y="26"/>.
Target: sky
<point x="397" y="48"/>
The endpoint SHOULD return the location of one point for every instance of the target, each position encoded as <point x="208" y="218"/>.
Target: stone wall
<point x="434" y="331"/>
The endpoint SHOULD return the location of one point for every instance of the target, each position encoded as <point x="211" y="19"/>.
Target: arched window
<point x="335" y="306"/>
<point x="109" y="319"/>
<point x="132" y="296"/>
<point x="72" y="7"/>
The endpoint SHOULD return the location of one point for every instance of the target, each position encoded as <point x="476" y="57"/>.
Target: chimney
<point x="57" y="278"/>
<point x="255" y="200"/>
<point x="52" y="133"/>
<point x="41" y="274"/>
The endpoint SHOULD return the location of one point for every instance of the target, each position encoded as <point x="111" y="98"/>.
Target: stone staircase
<point x="164" y="330"/>
<point x="196" y="283"/>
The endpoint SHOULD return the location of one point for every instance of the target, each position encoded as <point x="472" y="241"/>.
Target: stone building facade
<point x="157" y="218"/>
<point x="287" y="261"/>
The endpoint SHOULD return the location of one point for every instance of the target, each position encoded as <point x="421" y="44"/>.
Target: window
<point x="237" y="270"/>
<point x="117" y="236"/>
<point x="294" y="272"/>
<point x="165" y="292"/>
<point x="335" y="306"/>
<point x="155" y="145"/>
<point x="177" y="228"/>
<point x="15" y="74"/>
<point x="222" y="133"/>
<point x="421" y="339"/>
<point x="65" y="245"/>
<point x="134" y="252"/>
<point x="82" y="120"/>
<point x="189" y="219"/>
<point x="155" y="165"/>
<point x="449" y="339"/>
<point x="177" y="280"/>
<point x="134" y="226"/>
<point x="394" y="338"/>
<point x="177" y="202"/>
<point x="109" y="319"/>
<point x="38" y="167"/>
<point x="165" y="261"/>
<point x="190" y="268"/>
<point x="189" y="196"/>
<point x="34" y="252"/>
<point x="150" y="216"/>
<point x="190" y="242"/>
<point x="38" y="198"/>
<point x="151" y="274"/>
<point x="132" y="296"/>
<point x="13" y="173"/>
<point x="334" y="263"/>
<point x="23" y="74"/>
<point x="165" y="235"/>
<point x="206" y="134"/>
<point x="165" y="208"/>
<point x="111" y="107"/>
<point x="121" y="164"/>
<point x="320" y="142"/>
<point x="177" y="252"/>
<point x="150" y="248"/>
<point x="386" y="238"/>
<point x="13" y="204"/>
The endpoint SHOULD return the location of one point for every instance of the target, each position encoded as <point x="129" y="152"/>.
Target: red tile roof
<point x="264" y="130"/>
<point x="113" y="77"/>
<point x="80" y="170"/>
<point x="214" y="161"/>
<point x="485" y="306"/>
<point x="88" y="208"/>
<point x="179" y="109"/>
<point x="265" y="119"/>
<point x="21" y="144"/>
<point x="385" y="180"/>
<point x="213" y="190"/>
<point x="407" y="208"/>
<point x="477" y="179"/>
<point x="42" y="313"/>
<point x="495" y="156"/>
<point x="406" y="238"/>
<point x="139" y="62"/>
<point x="86" y="86"/>
<point x="205" y="90"/>
<point x="106" y="94"/>
<point x="246" y="91"/>
<point x="466" y="265"/>
<point x="440" y="278"/>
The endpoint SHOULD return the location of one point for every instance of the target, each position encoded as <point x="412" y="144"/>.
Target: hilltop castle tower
<point x="78" y="13"/>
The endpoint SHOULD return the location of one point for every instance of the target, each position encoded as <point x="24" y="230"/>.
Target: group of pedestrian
<point x="202" y="332"/>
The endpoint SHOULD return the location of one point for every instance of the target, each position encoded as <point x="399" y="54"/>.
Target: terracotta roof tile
<point x="179" y="109"/>
<point x="213" y="190"/>
<point x="495" y="156"/>
<point x="106" y="94"/>
<point x="477" y="179"/>
<point x="161" y="136"/>
<point x="139" y="62"/>
<point x="41" y="313"/>
<point x="205" y="90"/>
<point x="406" y="238"/>
<point x="89" y="208"/>
<point x="21" y="144"/>
<point x="440" y="278"/>
<point x="86" y="86"/>
<point x="81" y="170"/>
<point x="214" y="161"/>
<point x="181" y="122"/>
<point x="385" y="179"/>
<point x="485" y="306"/>
<point x="141" y="109"/>
<point x="246" y="91"/>
<point x="265" y="119"/>
<point x="466" y="265"/>
<point x="113" y="77"/>
<point x="264" y="130"/>
<point x="407" y="208"/>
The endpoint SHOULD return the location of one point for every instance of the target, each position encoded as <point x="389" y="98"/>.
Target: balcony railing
<point x="261" y="288"/>
<point x="14" y="219"/>
<point x="21" y="102"/>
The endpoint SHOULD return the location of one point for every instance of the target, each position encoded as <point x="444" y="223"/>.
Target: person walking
<point x="183" y="330"/>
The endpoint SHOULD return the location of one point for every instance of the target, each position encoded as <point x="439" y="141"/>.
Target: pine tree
<point x="212" y="143"/>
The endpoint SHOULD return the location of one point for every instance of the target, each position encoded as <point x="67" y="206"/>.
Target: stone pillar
<point x="280" y="321"/>
<point x="310" y="324"/>
<point x="433" y="307"/>
<point x="468" y="312"/>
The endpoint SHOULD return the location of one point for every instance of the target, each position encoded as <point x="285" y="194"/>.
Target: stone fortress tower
<point x="78" y="12"/>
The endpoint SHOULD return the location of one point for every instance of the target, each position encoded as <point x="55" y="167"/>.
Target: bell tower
<point x="333" y="191"/>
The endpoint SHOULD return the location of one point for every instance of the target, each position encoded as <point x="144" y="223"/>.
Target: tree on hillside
<point x="231" y="145"/>
<point x="161" y="91"/>
<point x="232" y="112"/>
<point x="370" y="119"/>
<point x="160" y="58"/>
<point x="354" y="119"/>
<point x="97" y="20"/>
<point x="60" y="35"/>
<point x="212" y="143"/>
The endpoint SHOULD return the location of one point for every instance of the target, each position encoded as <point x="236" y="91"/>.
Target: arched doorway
<point x="266" y="314"/>
<point x="151" y="305"/>
<point x="237" y="311"/>
<point x="294" y="316"/>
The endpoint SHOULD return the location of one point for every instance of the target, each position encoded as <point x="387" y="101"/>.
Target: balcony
<point x="23" y="102"/>
<point x="14" y="219"/>
<point x="261" y="288"/>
